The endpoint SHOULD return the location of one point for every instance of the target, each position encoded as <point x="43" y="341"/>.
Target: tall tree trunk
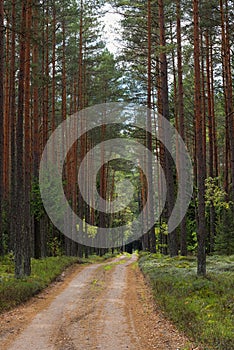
<point x="211" y="136"/>
<point x="64" y="80"/>
<point x="6" y="115"/>
<point x="80" y="63"/>
<point x="1" y="117"/>
<point x="201" y="231"/>
<point x="64" y="116"/>
<point x="209" y="98"/>
<point x="203" y="98"/>
<point x="12" y="128"/>
<point x="150" y="208"/>
<point x="35" y="129"/>
<point x="103" y="174"/>
<point x="27" y="144"/>
<point x="19" y="219"/>
<point x="228" y="85"/>
<point x="215" y="146"/>
<point x="163" y="238"/>
<point x="53" y="67"/>
<point x="45" y="115"/>
<point x="172" y="237"/>
<point x="183" y="235"/>
<point x="80" y="104"/>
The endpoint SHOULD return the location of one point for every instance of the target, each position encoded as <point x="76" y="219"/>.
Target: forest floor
<point x="106" y="306"/>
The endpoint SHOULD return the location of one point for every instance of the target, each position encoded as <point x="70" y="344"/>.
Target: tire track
<point x="39" y="334"/>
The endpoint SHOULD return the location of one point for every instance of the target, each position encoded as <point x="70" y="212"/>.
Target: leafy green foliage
<point x="55" y="247"/>
<point x="216" y="196"/>
<point x="202" y="307"/>
<point x="37" y="208"/>
<point x="224" y="241"/>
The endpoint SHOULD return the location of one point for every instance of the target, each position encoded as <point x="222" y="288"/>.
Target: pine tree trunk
<point x="228" y="85"/>
<point x="64" y="80"/>
<point x="172" y="237"/>
<point x="64" y="116"/>
<point x="163" y="238"/>
<point x="80" y="106"/>
<point x="150" y="209"/>
<point x="42" y="240"/>
<point x="183" y="234"/>
<point x="12" y="129"/>
<point x="53" y="67"/>
<point x="1" y="117"/>
<point x="211" y="137"/>
<point x="27" y="145"/>
<point x="216" y="163"/>
<point x="80" y="63"/>
<point x="19" y="198"/>
<point x="35" y="129"/>
<point x="6" y="115"/>
<point x="201" y="231"/>
<point x="203" y="98"/>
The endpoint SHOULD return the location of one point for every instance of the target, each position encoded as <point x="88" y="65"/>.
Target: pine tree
<point x="21" y="264"/>
<point x="1" y="118"/>
<point x="173" y="239"/>
<point x="180" y="102"/>
<point x="201" y="232"/>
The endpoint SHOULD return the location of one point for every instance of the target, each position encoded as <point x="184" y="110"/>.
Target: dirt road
<point x="102" y="306"/>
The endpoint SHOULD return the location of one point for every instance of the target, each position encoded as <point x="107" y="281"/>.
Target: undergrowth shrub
<point x="44" y="271"/>
<point x="202" y="307"/>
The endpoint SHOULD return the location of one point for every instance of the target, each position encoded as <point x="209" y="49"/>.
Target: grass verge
<point x="44" y="271"/>
<point x="202" y="307"/>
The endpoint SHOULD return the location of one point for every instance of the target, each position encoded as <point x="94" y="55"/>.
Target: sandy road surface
<point x="102" y="306"/>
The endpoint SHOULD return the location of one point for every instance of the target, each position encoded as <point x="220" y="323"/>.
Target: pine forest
<point x="87" y="69"/>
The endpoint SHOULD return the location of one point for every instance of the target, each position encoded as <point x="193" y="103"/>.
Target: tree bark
<point x="6" y="115"/>
<point x="12" y="127"/>
<point x="183" y="234"/>
<point x="172" y="237"/>
<point x="211" y="137"/>
<point x="80" y="104"/>
<point x="150" y="208"/>
<point x="215" y="146"/>
<point x="35" y="128"/>
<point x="228" y="86"/>
<point x="19" y="198"/>
<point x="1" y="117"/>
<point x="27" y="144"/>
<point x="203" y="99"/>
<point x="201" y="230"/>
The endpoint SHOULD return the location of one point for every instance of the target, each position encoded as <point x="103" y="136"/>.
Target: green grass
<point x="202" y="307"/>
<point x="44" y="271"/>
<point x="108" y="267"/>
<point x="111" y="265"/>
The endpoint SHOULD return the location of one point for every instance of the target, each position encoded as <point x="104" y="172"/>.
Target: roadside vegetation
<point x="202" y="307"/>
<point x="44" y="271"/>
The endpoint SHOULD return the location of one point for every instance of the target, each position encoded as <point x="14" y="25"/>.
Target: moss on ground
<point x="202" y="307"/>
